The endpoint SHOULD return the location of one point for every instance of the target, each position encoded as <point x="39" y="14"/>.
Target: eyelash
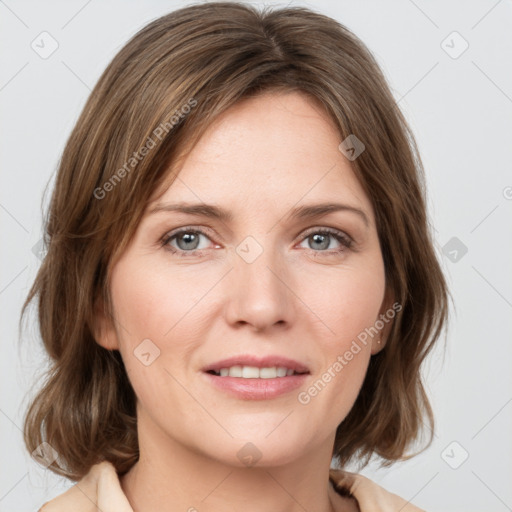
<point x="345" y="241"/>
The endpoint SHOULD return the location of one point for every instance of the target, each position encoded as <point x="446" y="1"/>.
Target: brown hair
<point x="210" y="56"/>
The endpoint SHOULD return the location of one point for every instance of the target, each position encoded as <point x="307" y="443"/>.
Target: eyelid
<point x="166" y="238"/>
<point x="346" y="240"/>
<point x="200" y="229"/>
<point x="327" y="229"/>
<point x="341" y="236"/>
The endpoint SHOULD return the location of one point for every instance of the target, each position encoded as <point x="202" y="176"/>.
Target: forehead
<point x="269" y="150"/>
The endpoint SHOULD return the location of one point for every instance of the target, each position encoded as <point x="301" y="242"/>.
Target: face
<point x="268" y="285"/>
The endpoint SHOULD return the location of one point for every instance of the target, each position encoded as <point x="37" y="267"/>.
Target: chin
<point x="258" y="450"/>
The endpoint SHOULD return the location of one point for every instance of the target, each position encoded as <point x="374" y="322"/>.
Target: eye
<point x="187" y="241"/>
<point x="320" y="240"/>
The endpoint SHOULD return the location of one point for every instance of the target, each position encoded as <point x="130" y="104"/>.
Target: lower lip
<point x="257" y="389"/>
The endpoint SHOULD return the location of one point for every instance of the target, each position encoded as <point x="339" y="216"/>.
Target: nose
<point x="259" y="291"/>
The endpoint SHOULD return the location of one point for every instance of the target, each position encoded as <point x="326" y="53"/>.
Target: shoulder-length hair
<point x="153" y="101"/>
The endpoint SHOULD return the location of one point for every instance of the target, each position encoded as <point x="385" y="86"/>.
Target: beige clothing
<point x="101" y="490"/>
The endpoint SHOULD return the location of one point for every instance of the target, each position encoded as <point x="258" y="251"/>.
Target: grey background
<point x="461" y="112"/>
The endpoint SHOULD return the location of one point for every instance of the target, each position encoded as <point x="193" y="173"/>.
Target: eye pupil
<point x="188" y="238"/>
<point x="319" y="238"/>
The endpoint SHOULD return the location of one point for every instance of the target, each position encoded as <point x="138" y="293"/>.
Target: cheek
<point x="152" y="311"/>
<point x="151" y="302"/>
<point x="347" y="301"/>
<point x="171" y="309"/>
<point x="347" y="304"/>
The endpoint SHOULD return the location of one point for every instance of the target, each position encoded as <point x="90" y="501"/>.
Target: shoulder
<point x="99" y="489"/>
<point x="370" y="496"/>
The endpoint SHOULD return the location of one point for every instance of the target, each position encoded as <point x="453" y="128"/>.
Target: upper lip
<point x="258" y="362"/>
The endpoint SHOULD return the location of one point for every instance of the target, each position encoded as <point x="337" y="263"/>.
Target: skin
<point x="260" y="159"/>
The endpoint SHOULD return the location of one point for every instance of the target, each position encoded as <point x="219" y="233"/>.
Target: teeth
<point x="249" y="372"/>
<point x="253" y="372"/>
<point x="235" y="371"/>
<point x="281" y="372"/>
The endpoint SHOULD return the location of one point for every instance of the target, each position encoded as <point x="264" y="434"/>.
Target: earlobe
<point x="103" y="328"/>
<point x="378" y="343"/>
<point x="384" y="322"/>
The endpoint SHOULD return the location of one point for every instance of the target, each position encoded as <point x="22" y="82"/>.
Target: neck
<point x="170" y="476"/>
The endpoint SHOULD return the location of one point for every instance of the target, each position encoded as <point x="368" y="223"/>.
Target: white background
<point x="461" y="112"/>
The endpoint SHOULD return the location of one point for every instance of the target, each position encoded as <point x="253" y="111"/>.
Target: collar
<point x="100" y="489"/>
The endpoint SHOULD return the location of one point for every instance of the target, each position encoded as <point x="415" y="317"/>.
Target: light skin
<point x="305" y="297"/>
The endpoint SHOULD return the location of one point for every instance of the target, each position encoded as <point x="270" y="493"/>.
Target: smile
<point x="253" y="372"/>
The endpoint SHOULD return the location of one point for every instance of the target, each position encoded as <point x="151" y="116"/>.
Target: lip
<point x="257" y="389"/>
<point x="258" y="362"/>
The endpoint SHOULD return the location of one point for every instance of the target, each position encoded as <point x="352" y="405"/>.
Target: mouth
<point x="254" y="378"/>
<point x="254" y="367"/>
<point x="253" y="372"/>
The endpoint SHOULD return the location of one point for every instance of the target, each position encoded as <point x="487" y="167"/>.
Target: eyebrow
<point x="216" y="212"/>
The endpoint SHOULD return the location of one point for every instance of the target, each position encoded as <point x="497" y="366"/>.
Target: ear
<point x="386" y="315"/>
<point x="104" y="331"/>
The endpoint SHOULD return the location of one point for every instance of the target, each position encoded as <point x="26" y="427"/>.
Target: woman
<point x="232" y="372"/>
